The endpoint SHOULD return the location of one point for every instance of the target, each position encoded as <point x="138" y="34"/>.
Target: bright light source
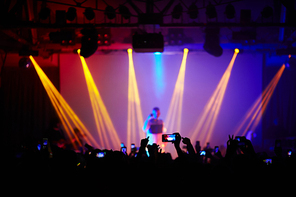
<point x="67" y="116"/>
<point x="236" y="50"/>
<point x="129" y="50"/>
<point x="105" y="128"/>
<point x="157" y="53"/>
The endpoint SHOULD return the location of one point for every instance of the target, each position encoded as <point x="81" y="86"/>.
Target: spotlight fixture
<point x="193" y="11"/>
<point x="89" y="14"/>
<point x="124" y="11"/>
<point x="44" y="13"/>
<point x="267" y="12"/>
<point x="89" y="42"/>
<point x="176" y="36"/>
<point x="110" y="12"/>
<point x="211" y="11"/>
<point x="229" y="11"/>
<point x="71" y="14"/>
<point x="104" y="36"/>
<point x="177" y="11"/>
<point x="24" y="62"/>
<point x="63" y="37"/>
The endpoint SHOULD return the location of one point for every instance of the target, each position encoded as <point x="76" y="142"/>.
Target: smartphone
<point x="44" y="143"/>
<point x="101" y="154"/>
<point x="289" y="153"/>
<point x="168" y="137"/>
<point x="123" y="149"/>
<point x="241" y="140"/>
<point x="122" y="145"/>
<point x="267" y="161"/>
<point x="216" y="149"/>
<point x="202" y="152"/>
<point x="133" y="146"/>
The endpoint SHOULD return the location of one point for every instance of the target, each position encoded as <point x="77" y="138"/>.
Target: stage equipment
<point x="148" y="42"/>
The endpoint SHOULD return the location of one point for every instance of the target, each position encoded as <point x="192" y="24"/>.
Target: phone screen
<point x="100" y="154"/>
<point x="168" y="137"/>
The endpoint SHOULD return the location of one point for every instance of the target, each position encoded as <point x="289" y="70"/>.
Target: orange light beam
<point x="65" y="113"/>
<point x="259" y="106"/>
<point x="206" y="122"/>
<point x="134" y="114"/>
<point x="105" y="128"/>
<point x="173" y="118"/>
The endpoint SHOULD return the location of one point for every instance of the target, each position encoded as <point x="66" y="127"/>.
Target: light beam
<point x="256" y="111"/>
<point x="67" y="116"/>
<point x="134" y="113"/>
<point x="108" y="137"/>
<point x="206" y="122"/>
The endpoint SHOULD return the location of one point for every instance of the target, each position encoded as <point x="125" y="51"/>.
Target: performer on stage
<point x="153" y="127"/>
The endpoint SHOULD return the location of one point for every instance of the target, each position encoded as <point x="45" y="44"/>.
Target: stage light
<point x="211" y="11"/>
<point x="236" y="50"/>
<point x="66" y="115"/>
<point x="173" y="118"/>
<point x="71" y="14"/>
<point x="176" y="36"/>
<point x="124" y="11"/>
<point x="106" y="131"/>
<point x="206" y="122"/>
<point x="24" y="62"/>
<point x="267" y="12"/>
<point x="89" y="14"/>
<point x="177" y="11"/>
<point x="193" y="11"/>
<point x="110" y="12"/>
<point x="134" y="113"/>
<point x="44" y="13"/>
<point x="158" y="75"/>
<point x="89" y="42"/>
<point x="256" y="111"/>
<point x="230" y="11"/>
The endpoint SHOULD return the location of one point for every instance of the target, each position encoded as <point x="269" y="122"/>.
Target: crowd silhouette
<point x="150" y="169"/>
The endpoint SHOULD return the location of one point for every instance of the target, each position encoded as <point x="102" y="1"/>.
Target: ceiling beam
<point x="30" y="24"/>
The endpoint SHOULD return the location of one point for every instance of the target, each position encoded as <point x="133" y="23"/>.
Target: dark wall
<point x="25" y="107"/>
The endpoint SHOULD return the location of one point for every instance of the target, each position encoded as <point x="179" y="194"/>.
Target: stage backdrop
<point x="156" y="76"/>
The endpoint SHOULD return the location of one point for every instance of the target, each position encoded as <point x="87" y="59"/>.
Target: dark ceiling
<point x="27" y="24"/>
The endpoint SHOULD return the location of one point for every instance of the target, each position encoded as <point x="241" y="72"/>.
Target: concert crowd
<point x="148" y="168"/>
